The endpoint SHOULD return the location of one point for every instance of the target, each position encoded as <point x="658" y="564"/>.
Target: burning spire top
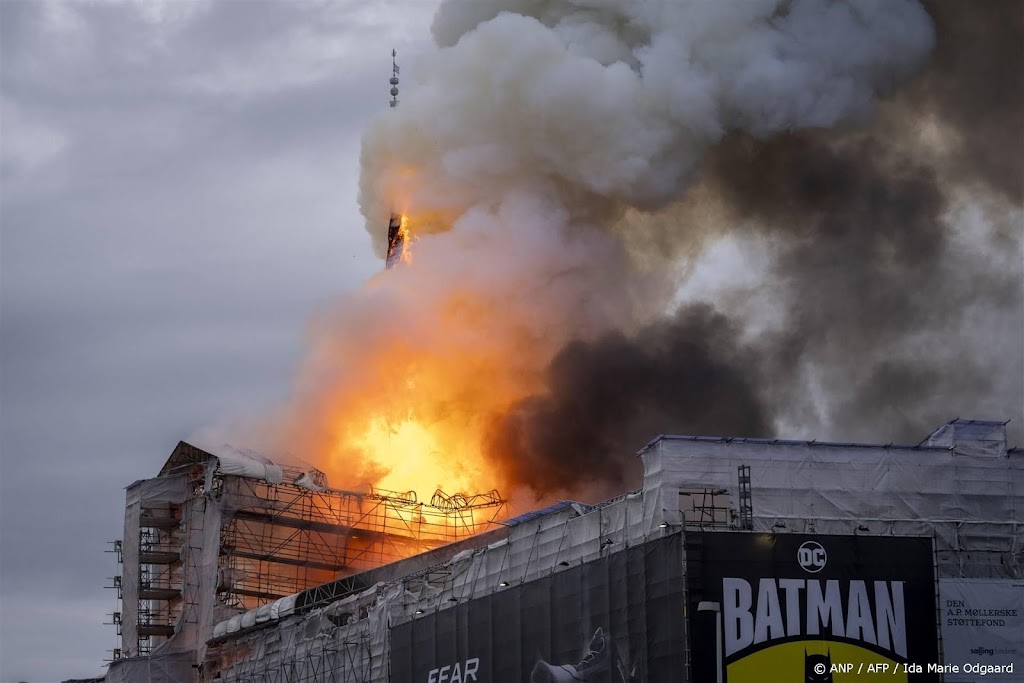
<point x="396" y="224"/>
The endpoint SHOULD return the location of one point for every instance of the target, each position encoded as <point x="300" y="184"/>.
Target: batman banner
<point x="811" y="608"/>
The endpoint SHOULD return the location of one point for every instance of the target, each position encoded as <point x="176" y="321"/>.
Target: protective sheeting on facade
<point x="169" y="489"/>
<point x="540" y="547"/>
<point x="239" y="463"/>
<point x="311" y="646"/>
<point x="975" y="438"/>
<point x="971" y="504"/>
<point x="968" y="505"/>
<point x="160" y="668"/>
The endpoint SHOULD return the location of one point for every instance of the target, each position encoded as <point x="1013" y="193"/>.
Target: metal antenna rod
<point x="394" y="79"/>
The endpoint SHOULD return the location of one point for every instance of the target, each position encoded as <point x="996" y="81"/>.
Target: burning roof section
<point x="218" y="532"/>
<point x="396" y="240"/>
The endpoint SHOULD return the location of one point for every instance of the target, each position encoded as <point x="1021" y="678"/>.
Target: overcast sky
<point x="178" y="185"/>
<point x="179" y="196"/>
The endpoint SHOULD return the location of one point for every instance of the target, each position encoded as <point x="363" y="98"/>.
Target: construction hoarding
<point x="982" y="623"/>
<point x="618" y="619"/>
<point x="813" y="608"/>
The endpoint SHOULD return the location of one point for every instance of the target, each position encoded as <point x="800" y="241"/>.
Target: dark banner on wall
<point x="810" y="608"/>
<point x="619" y="619"/>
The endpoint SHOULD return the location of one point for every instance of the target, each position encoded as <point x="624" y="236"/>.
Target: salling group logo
<point x="992" y="651"/>
<point x="811" y="556"/>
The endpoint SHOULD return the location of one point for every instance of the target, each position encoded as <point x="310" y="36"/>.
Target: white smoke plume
<point x="619" y="100"/>
<point x="552" y="159"/>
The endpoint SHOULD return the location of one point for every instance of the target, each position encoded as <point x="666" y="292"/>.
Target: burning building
<point x="397" y="234"/>
<point x="738" y="559"/>
<point x="673" y="217"/>
<point x="215" y="535"/>
<point x="566" y="174"/>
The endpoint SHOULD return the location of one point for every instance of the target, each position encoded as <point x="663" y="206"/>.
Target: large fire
<point x="419" y="390"/>
<point x="553" y="169"/>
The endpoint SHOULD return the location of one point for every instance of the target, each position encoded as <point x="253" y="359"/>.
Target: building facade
<point x="739" y="560"/>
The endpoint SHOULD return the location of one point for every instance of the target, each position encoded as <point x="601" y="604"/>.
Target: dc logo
<point x="811" y="556"/>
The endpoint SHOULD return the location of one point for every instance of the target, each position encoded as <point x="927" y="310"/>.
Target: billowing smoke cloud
<point x="620" y="100"/>
<point x="604" y="398"/>
<point x="568" y="165"/>
<point x="883" y="291"/>
<point x="974" y="87"/>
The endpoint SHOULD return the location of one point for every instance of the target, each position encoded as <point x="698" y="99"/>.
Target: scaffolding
<point x="220" y="535"/>
<point x="115" y="616"/>
<point x="346" y="661"/>
<point x="706" y="508"/>
<point x="341" y="631"/>
<point x="288" y="538"/>
<point x="352" y="631"/>
<point x="746" y="498"/>
<point x="160" y="581"/>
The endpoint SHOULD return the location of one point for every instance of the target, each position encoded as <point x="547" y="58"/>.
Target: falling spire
<point x="396" y="240"/>
<point x="396" y="229"/>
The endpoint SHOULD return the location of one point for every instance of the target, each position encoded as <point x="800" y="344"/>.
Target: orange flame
<point x="421" y="424"/>
<point x="406" y="237"/>
<point x="419" y="379"/>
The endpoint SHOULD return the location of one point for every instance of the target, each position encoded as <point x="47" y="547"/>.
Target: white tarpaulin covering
<point x="351" y="634"/>
<point x="966" y="495"/>
<point x="306" y="481"/>
<point x="247" y="464"/>
<point x="975" y="438"/>
<point x="972" y="505"/>
<point x="282" y="607"/>
<point x="172" y="668"/>
<point x="982" y="623"/>
<point x="172" y="489"/>
<point x="790" y="485"/>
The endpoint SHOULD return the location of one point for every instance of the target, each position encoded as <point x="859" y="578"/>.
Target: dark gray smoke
<point x="975" y="85"/>
<point x="879" y="293"/>
<point x="684" y="375"/>
<point x="897" y="271"/>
